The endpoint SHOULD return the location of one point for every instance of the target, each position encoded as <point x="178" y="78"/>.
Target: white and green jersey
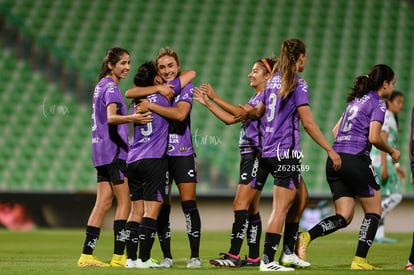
<point x="391" y="128"/>
<point x="391" y="185"/>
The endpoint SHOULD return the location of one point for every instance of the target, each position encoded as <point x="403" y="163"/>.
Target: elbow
<point x="374" y="140"/>
<point x="193" y="74"/>
<point x="111" y="120"/>
<point x="115" y="119"/>
<point x="128" y="93"/>
<point x="181" y="117"/>
<point x="371" y="140"/>
<point x="253" y="115"/>
<point x="257" y="114"/>
<point x="307" y="126"/>
<point x="335" y="132"/>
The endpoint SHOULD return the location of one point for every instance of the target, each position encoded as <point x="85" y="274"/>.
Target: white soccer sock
<point x="389" y="203"/>
<point x="380" y="232"/>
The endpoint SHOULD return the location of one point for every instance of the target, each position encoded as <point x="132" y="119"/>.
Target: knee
<point x="253" y="209"/>
<point x="187" y="191"/>
<point x="240" y="205"/>
<point x="136" y="213"/>
<point x="123" y="207"/>
<point x="136" y="216"/>
<point x="344" y="220"/>
<point x="104" y="205"/>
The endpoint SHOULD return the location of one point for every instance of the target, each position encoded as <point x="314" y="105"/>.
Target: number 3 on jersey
<point x="93" y="118"/>
<point x="349" y="115"/>
<point x="272" y="106"/>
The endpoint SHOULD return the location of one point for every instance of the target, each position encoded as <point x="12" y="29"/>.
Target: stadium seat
<point x="219" y="40"/>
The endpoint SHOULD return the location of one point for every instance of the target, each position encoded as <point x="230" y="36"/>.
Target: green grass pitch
<point x="56" y="251"/>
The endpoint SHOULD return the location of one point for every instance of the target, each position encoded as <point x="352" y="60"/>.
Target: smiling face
<point x="258" y="77"/>
<point x="168" y="67"/>
<point x="121" y="68"/>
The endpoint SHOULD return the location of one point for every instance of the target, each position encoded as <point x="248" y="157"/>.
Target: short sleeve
<point x="112" y="94"/>
<point x="256" y="99"/>
<point x="378" y="112"/>
<point x="187" y="93"/>
<point x="301" y="93"/>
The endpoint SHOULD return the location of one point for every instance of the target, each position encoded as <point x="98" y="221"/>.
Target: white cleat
<point x="132" y="263"/>
<point x="150" y="263"/>
<point x="166" y="263"/>
<point x="293" y="260"/>
<point x="274" y="266"/>
<point x="194" y="263"/>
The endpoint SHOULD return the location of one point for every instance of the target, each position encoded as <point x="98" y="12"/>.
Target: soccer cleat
<point x="385" y="240"/>
<point x="362" y="264"/>
<point x="274" y="266"/>
<point x="194" y="263"/>
<point x="293" y="260"/>
<point x="409" y="266"/>
<point x="87" y="260"/>
<point x="166" y="263"/>
<point x="248" y="262"/>
<point x="132" y="263"/>
<point x="150" y="263"/>
<point x="302" y="244"/>
<point x="117" y="260"/>
<point x="226" y="260"/>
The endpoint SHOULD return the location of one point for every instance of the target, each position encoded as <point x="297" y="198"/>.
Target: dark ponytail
<point x="370" y="82"/>
<point x="290" y="52"/>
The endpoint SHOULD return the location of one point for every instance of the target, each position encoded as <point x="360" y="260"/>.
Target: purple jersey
<point x="249" y="132"/>
<point x="150" y="140"/>
<point x="281" y="133"/>
<point x="108" y="140"/>
<point x="180" y="140"/>
<point x="177" y="85"/>
<point x="353" y="131"/>
<point x="412" y="142"/>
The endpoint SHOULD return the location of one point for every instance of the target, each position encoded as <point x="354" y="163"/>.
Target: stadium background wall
<point x="72" y="211"/>
<point x="51" y="54"/>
